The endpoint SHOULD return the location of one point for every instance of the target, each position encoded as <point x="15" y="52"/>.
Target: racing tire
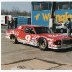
<point x="61" y="30"/>
<point x="14" y="40"/>
<point x="42" y="44"/>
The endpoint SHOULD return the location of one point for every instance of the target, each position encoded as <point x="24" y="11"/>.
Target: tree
<point x="15" y="12"/>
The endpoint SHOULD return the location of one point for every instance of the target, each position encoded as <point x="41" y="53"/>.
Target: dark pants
<point x="69" y="31"/>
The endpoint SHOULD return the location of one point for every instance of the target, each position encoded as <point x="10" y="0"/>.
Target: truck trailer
<point x="5" y="18"/>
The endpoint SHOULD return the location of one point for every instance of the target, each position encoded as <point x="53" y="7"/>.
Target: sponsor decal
<point x="35" y="37"/>
<point x="54" y="35"/>
<point x="49" y="39"/>
<point x="50" y="42"/>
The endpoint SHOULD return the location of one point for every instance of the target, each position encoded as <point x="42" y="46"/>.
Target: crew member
<point x="9" y="22"/>
<point x="69" y="25"/>
<point x="12" y="23"/>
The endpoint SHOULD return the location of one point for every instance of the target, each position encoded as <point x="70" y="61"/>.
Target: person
<point x="12" y="23"/>
<point x="50" y="25"/>
<point x="54" y="24"/>
<point x="69" y="25"/>
<point x="9" y="22"/>
<point x="15" y="22"/>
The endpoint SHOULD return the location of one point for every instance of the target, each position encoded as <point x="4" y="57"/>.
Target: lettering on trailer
<point x="59" y="17"/>
<point x="63" y="17"/>
<point x="44" y="16"/>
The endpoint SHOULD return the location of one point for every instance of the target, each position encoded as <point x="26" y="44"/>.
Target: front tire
<point x="43" y="44"/>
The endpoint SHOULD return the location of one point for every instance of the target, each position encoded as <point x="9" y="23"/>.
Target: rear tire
<point x="43" y="44"/>
<point x="14" y="40"/>
<point x="61" y="30"/>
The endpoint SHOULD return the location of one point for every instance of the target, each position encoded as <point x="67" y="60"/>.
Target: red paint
<point x="20" y="34"/>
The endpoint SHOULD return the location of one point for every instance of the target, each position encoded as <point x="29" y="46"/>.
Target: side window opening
<point x="29" y="30"/>
<point x="26" y="30"/>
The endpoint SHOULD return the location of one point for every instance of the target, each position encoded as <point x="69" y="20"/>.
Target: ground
<point x="19" y="56"/>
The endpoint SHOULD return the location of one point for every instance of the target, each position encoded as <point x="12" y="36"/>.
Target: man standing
<point x="69" y="25"/>
<point x="9" y="22"/>
<point x="15" y="22"/>
<point x="12" y="23"/>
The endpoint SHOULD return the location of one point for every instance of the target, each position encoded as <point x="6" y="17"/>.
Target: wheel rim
<point x="13" y="40"/>
<point x="61" y="30"/>
<point x="43" y="44"/>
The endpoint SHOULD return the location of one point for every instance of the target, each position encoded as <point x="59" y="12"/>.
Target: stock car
<point x="39" y="36"/>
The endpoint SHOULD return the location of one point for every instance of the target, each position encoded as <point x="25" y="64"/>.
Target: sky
<point x="23" y="6"/>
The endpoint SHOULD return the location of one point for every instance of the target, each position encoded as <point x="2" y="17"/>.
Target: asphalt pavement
<point x="19" y="56"/>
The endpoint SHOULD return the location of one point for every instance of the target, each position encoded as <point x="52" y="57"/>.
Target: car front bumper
<point x="62" y="46"/>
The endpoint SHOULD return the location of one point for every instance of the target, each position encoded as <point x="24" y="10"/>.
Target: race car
<point x="39" y="36"/>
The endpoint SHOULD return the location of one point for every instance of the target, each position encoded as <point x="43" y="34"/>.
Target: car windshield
<point x="59" y="25"/>
<point x="40" y="30"/>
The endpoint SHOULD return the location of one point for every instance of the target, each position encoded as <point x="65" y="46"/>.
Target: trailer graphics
<point x="43" y="11"/>
<point x="44" y="17"/>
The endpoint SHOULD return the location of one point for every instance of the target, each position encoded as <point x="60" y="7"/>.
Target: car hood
<point x="55" y="36"/>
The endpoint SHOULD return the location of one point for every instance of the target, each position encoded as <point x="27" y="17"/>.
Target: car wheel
<point x="61" y="30"/>
<point x="14" y="40"/>
<point x="43" y="44"/>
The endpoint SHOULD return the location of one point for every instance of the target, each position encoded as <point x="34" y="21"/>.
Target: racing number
<point x="28" y="37"/>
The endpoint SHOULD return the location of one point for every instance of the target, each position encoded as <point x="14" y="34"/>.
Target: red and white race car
<point x="39" y="36"/>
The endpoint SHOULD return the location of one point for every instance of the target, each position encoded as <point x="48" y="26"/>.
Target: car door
<point x="26" y="35"/>
<point x="29" y="35"/>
